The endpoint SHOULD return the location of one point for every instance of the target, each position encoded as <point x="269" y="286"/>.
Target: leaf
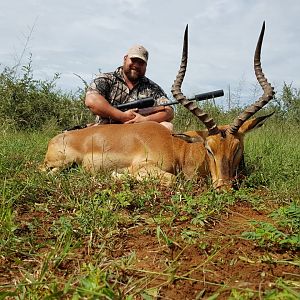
<point x="150" y="293"/>
<point x="247" y="259"/>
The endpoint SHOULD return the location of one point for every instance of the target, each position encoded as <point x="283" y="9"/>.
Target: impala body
<point x="150" y="149"/>
<point x="141" y="149"/>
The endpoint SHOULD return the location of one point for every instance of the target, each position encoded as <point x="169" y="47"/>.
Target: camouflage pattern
<point x="113" y="88"/>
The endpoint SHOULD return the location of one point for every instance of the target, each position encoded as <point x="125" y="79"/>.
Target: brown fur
<point x="136" y="148"/>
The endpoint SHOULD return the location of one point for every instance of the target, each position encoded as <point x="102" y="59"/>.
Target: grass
<point x="277" y="154"/>
<point x="78" y="236"/>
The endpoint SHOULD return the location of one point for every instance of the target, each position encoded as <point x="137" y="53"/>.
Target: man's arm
<point x="98" y="105"/>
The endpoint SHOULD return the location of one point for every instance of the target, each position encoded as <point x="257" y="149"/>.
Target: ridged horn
<point x="178" y="95"/>
<point x="268" y="90"/>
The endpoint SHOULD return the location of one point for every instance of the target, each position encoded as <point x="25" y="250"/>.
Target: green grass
<point x="59" y="233"/>
<point x="273" y="154"/>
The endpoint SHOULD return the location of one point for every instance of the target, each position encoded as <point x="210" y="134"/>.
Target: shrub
<point x="29" y="104"/>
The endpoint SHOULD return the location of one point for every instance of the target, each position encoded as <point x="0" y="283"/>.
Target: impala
<point x="148" y="148"/>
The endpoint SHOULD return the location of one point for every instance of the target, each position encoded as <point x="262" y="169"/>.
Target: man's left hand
<point x="137" y="119"/>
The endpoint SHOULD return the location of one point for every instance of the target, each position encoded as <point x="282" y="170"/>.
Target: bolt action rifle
<point x="146" y="106"/>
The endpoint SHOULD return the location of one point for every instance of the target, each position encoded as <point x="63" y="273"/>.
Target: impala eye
<point x="209" y="151"/>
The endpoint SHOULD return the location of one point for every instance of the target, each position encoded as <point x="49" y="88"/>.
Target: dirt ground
<point x="218" y="260"/>
<point x="223" y="258"/>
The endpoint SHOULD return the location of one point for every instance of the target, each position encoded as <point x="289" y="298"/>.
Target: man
<point x="128" y="83"/>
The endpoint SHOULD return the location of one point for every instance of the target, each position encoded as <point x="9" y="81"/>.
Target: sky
<point x="77" y="39"/>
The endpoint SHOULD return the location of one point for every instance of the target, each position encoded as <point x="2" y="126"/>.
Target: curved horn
<point x="266" y="86"/>
<point x="178" y="95"/>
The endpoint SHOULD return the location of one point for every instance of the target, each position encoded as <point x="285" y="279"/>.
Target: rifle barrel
<point x="149" y="101"/>
<point x="201" y="97"/>
<point x="209" y="95"/>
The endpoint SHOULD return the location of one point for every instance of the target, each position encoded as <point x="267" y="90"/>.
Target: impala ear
<point x="254" y="123"/>
<point x="187" y="138"/>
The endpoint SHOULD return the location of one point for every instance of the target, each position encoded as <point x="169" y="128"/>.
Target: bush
<point x="30" y="104"/>
<point x="286" y="106"/>
<point x="27" y="103"/>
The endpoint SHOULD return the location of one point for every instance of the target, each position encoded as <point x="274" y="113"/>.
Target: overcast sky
<point x="82" y="37"/>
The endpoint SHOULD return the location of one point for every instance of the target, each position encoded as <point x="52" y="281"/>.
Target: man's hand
<point x="128" y="116"/>
<point x="165" y="115"/>
<point x="137" y="117"/>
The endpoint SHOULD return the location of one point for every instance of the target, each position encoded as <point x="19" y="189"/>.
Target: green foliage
<point x="27" y="103"/>
<point x="287" y="104"/>
<point x="241" y="295"/>
<point x="288" y="217"/>
<point x="284" y="291"/>
<point x="285" y="233"/>
<point x="96" y="285"/>
<point x="272" y="157"/>
<point x="286" y="107"/>
<point x="204" y="206"/>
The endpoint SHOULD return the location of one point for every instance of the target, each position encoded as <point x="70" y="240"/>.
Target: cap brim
<point x="138" y="56"/>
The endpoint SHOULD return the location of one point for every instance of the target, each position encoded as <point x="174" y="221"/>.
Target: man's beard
<point x="132" y="75"/>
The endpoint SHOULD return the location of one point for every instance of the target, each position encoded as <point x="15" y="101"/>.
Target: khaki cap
<point x="138" y="51"/>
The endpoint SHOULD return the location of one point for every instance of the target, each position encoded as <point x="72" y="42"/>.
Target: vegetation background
<point x="68" y="236"/>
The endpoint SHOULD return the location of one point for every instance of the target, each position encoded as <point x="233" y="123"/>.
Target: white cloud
<point x="82" y="37"/>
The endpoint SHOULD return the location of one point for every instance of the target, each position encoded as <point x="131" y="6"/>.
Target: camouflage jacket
<point x="113" y="88"/>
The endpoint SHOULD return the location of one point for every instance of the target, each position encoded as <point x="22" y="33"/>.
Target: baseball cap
<point x="138" y="51"/>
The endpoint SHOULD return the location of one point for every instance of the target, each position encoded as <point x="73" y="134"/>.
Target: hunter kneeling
<point x="128" y="83"/>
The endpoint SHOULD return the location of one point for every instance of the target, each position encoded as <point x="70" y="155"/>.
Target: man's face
<point x="134" y="68"/>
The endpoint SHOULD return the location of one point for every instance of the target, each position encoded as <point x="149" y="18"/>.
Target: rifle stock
<point x="151" y="110"/>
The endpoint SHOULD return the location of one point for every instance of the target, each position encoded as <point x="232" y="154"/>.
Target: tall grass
<point x="273" y="154"/>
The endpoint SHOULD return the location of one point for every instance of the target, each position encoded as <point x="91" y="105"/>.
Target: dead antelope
<point x="224" y="144"/>
<point x="150" y="149"/>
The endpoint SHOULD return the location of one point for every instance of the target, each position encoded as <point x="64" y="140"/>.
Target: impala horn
<point x="178" y="95"/>
<point x="266" y="86"/>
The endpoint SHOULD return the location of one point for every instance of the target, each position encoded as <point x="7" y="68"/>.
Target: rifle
<point x="145" y="106"/>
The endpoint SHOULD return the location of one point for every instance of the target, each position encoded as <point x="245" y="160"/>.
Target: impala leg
<point x="145" y="171"/>
<point x="54" y="162"/>
<point x="140" y="174"/>
<point x="152" y="170"/>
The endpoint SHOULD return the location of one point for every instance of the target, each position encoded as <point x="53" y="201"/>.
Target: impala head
<point x="224" y="144"/>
